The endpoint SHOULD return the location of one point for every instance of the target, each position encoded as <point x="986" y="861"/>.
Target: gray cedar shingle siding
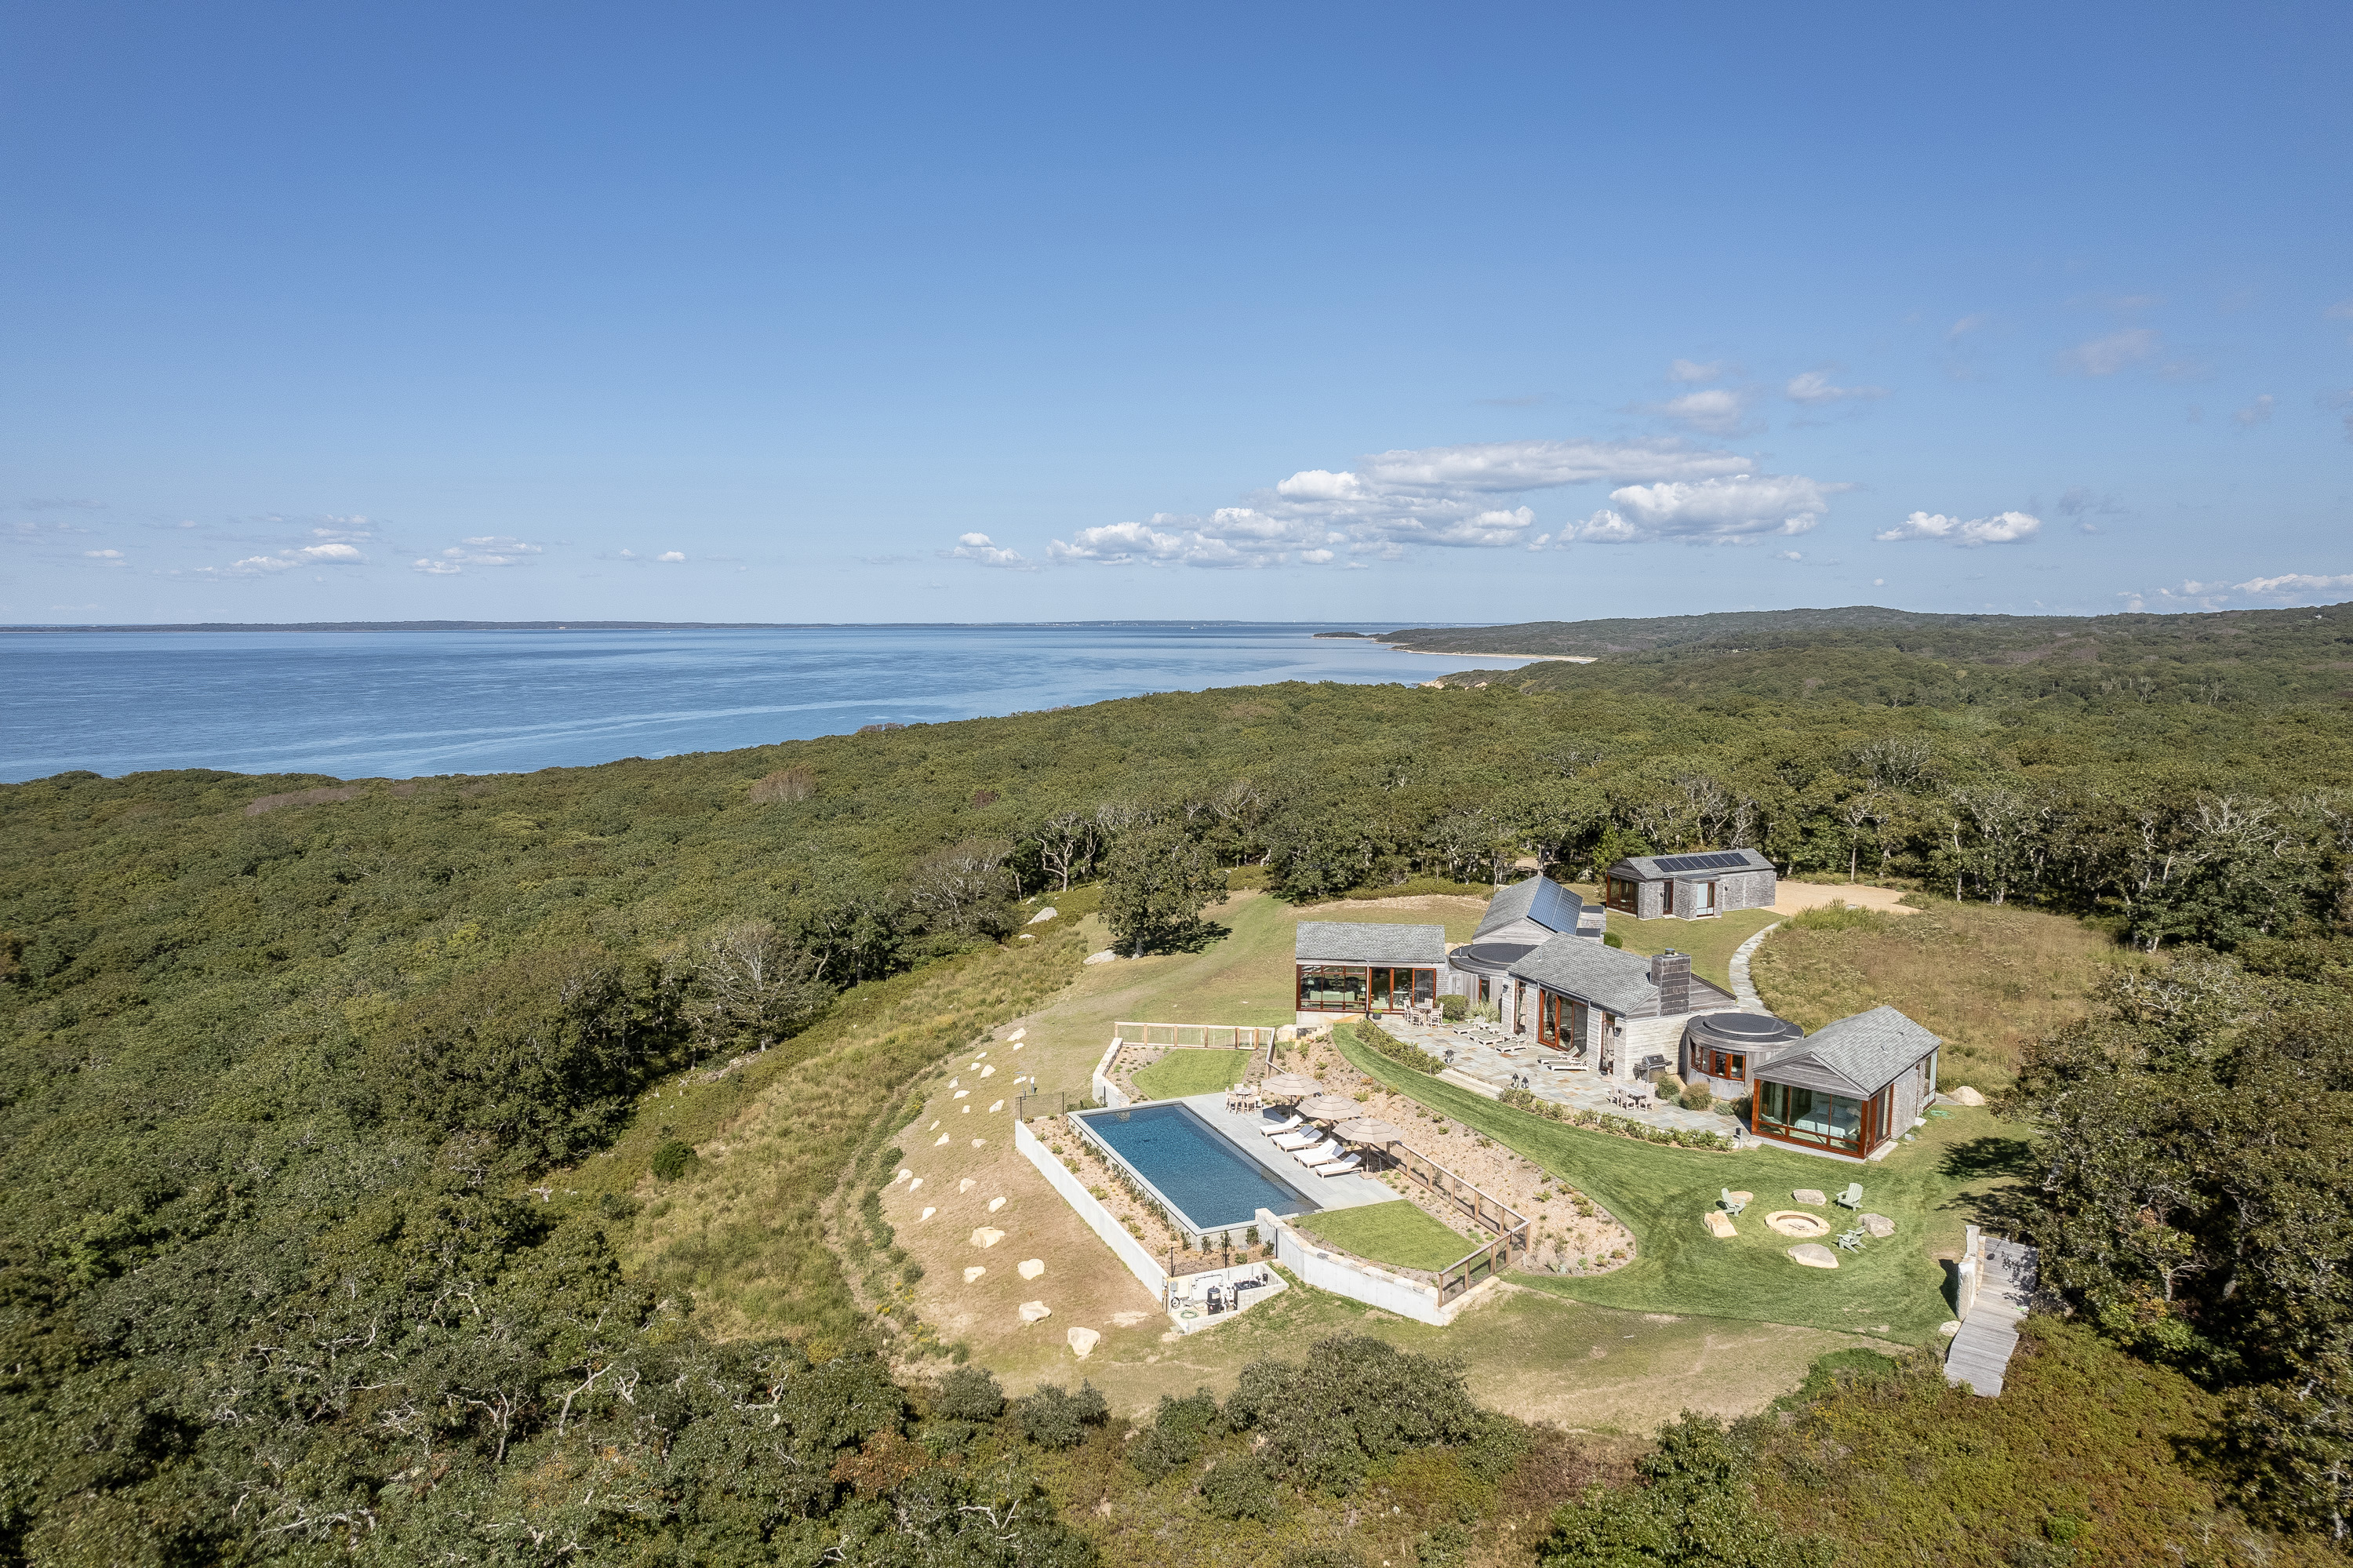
<point x="1346" y="942"/>
<point x="1751" y="885"/>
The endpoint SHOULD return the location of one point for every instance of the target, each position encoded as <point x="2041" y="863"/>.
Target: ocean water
<point x="397" y="704"/>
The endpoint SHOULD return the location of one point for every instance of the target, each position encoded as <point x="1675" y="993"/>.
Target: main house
<point x="1689" y="886"/>
<point x="1619" y="1012"/>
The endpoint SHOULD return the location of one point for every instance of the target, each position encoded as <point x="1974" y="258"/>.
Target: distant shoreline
<point x="645" y="626"/>
<point x="1483" y="653"/>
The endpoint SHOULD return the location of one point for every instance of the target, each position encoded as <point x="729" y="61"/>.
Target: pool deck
<point x="1242" y="1130"/>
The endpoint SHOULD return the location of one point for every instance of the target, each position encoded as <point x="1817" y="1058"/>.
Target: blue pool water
<point x="1214" y="1185"/>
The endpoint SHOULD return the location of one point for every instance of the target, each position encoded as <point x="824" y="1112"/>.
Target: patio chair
<point x="1732" y="1205"/>
<point x="1291" y="1124"/>
<point x="1853" y="1197"/>
<point x="1311" y="1158"/>
<point x="1852" y="1240"/>
<point x="1338" y="1167"/>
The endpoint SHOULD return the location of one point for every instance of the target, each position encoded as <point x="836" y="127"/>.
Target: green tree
<point x="1157" y="881"/>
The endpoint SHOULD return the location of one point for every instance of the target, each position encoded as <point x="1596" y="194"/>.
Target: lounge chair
<point x="1275" y="1128"/>
<point x="1732" y="1205"/>
<point x="1317" y="1155"/>
<point x="1337" y="1167"/>
<point x="1305" y="1138"/>
<point x="1852" y="1240"/>
<point x="1851" y="1198"/>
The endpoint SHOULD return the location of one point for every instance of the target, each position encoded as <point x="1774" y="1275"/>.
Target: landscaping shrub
<point x="969" y="1393"/>
<point x="1177" y="1435"/>
<point x="1354" y="1401"/>
<point x="1668" y="1086"/>
<point x="1244" y="1487"/>
<point x="672" y="1160"/>
<point x="1053" y="1417"/>
<point x="1698" y="1096"/>
<point x="1372" y="1035"/>
<point x="1612" y="939"/>
<point x="1454" y="1006"/>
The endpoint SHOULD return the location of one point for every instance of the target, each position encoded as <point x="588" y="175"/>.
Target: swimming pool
<point x="1193" y="1167"/>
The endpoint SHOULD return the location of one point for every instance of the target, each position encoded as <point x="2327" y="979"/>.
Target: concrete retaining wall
<point x="1353" y="1277"/>
<point x="1099" y="1220"/>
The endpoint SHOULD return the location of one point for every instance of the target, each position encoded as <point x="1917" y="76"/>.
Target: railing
<point x="1204" y="1037"/>
<point x="1484" y="1209"/>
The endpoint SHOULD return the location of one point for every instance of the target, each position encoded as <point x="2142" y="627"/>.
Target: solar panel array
<point x="1555" y="907"/>
<point x="1720" y="860"/>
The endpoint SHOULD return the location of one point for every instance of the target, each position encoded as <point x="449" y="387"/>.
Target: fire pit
<point x="1797" y="1222"/>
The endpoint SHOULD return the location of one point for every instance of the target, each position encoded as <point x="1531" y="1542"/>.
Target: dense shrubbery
<point x="1374" y="1037"/>
<point x="280" y="1067"/>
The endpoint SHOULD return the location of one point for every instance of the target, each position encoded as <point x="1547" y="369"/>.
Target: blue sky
<point x="861" y="313"/>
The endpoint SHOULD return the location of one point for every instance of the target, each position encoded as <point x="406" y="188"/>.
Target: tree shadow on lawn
<point x="1197" y="937"/>
<point x="2004" y="1209"/>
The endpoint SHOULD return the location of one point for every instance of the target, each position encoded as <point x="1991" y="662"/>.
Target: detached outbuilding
<point x="1852" y="1087"/>
<point x="1690" y="886"/>
<point x="1519" y="919"/>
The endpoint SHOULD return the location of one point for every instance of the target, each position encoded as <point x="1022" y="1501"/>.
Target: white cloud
<point x="1789" y="555"/>
<point x="2287" y="588"/>
<point x="1968" y="324"/>
<point x="481" y="550"/>
<point x="104" y="555"/>
<point x="2257" y="412"/>
<point x="1717" y="411"/>
<point x="335" y="553"/>
<point x="671" y="556"/>
<point x="1686" y="371"/>
<point x="2001" y="528"/>
<point x="433" y="568"/>
<point x="1814" y="387"/>
<point x="976" y="547"/>
<point x="1878" y="582"/>
<point x="2117" y="351"/>
<point x="1716" y="511"/>
<point x="1455" y="497"/>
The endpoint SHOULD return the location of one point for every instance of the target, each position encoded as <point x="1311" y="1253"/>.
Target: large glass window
<point x="1726" y="1064"/>
<point x="1425" y="987"/>
<point x="1810" y="1115"/>
<point x="1331" y="988"/>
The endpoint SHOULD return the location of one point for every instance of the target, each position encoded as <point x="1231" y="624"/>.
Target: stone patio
<point x="1476" y="1058"/>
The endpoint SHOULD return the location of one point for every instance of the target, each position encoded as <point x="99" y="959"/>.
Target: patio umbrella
<point x="1369" y="1130"/>
<point x="1327" y="1108"/>
<point x="1288" y="1085"/>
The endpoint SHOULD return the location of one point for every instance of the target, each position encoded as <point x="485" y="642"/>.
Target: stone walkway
<point x="1743" y="989"/>
<point x="1475" y="1056"/>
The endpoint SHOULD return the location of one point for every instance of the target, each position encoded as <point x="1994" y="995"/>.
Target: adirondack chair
<point x="1732" y="1205"/>
<point x="1852" y="1240"/>
<point x="1853" y="1197"/>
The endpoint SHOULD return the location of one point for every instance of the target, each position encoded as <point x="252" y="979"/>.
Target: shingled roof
<point x="1608" y="978"/>
<point x="1353" y="942"/>
<point x="1697" y="863"/>
<point x="1539" y="899"/>
<point x="1857" y="1055"/>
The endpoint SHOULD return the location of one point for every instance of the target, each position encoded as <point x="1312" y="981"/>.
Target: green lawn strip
<point x="1401" y="1233"/>
<point x="1710" y="943"/>
<point x="1182" y="1072"/>
<point x="1661" y="1194"/>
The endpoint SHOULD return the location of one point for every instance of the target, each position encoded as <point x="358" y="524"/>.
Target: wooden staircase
<point x="1998" y="1285"/>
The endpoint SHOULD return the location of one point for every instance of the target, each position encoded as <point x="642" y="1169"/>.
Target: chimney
<point x="1671" y="972"/>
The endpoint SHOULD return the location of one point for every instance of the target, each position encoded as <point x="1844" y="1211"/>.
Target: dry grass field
<point x="1988" y="978"/>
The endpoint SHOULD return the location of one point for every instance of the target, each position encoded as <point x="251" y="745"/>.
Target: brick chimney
<point x="1671" y="972"/>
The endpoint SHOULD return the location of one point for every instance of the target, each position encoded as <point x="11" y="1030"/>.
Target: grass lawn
<point x="1182" y="1072"/>
<point x="1894" y="1289"/>
<point x="1403" y="1234"/>
<point x="1710" y="943"/>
